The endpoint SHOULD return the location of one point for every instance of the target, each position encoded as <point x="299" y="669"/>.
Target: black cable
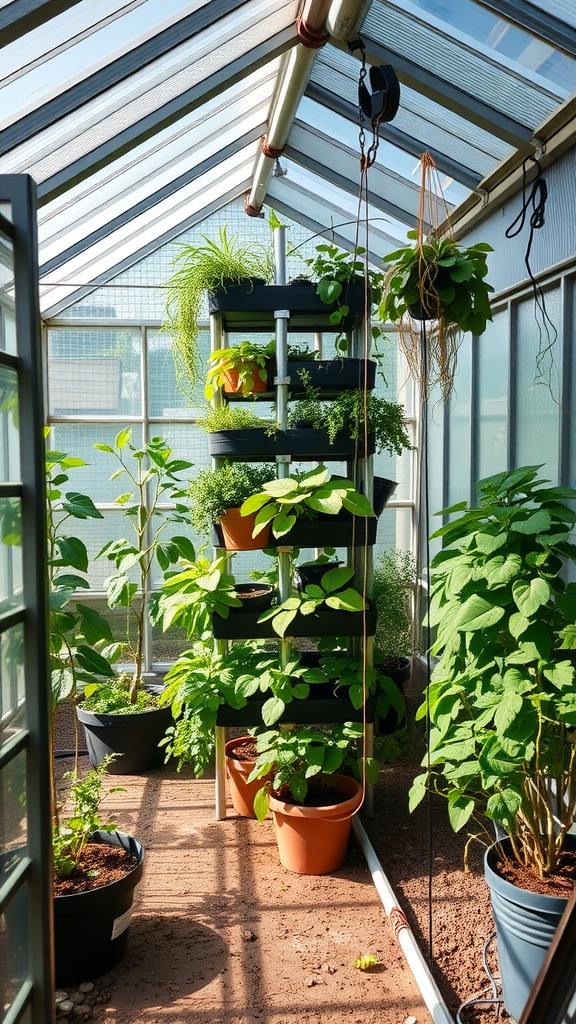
<point x="534" y="199"/>
<point x="480" y="999"/>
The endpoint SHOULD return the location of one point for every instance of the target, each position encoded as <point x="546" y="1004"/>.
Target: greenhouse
<point x="287" y="500"/>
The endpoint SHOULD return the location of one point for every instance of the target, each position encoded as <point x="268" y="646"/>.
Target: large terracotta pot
<point x="237" y="532"/>
<point x="232" y="382"/>
<point x="242" y="792"/>
<point x="314" y="840"/>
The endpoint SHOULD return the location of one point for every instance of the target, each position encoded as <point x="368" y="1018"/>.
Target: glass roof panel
<point x="513" y="45"/>
<point x="175" y="151"/>
<point x="462" y="61"/>
<point x="389" y="157"/>
<point x="563" y="9"/>
<point x="159" y="83"/>
<point x="82" y="51"/>
<point x="418" y="116"/>
<point x="231" y="176"/>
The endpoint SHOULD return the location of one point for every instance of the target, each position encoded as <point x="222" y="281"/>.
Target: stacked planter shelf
<point x="282" y="309"/>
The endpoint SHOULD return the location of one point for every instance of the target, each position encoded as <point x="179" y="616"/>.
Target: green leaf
<point x="123" y="437"/>
<point x="272" y="709"/>
<point x="261" y="803"/>
<point x="529" y="597"/>
<point x="80" y="506"/>
<point x="93" y="662"/>
<point x="73" y="553"/>
<point x="477" y="613"/>
<point x="358" y="505"/>
<point x="509" y="706"/>
<point x="94" y="626"/>
<point x="538" y="522"/>
<point x="460" y="810"/>
<point x="346" y="600"/>
<point x="418" y="791"/>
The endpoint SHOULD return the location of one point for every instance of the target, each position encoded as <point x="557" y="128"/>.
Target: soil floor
<point x="222" y="934"/>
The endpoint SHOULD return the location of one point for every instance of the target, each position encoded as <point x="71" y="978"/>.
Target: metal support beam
<point x="165" y="115"/>
<point x="559" y="33"/>
<point x="22" y="16"/>
<point x="107" y="77"/>
<point x="465" y="175"/>
<point x="450" y="96"/>
<point x="151" y="200"/>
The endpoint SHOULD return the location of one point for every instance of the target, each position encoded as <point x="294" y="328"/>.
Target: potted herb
<point x="240" y="369"/>
<point x="282" y="502"/>
<point x="441" y="281"/>
<point x="207" y="265"/>
<point x="394" y="580"/>
<point x="502" y="700"/>
<point x="352" y="415"/>
<point x="194" y="592"/>
<point x="122" y="715"/>
<point x="312" y="802"/>
<point x="215" y="498"/>
<point x="332" y="592"/>
<point x="96" y="870"/>
<point x="336" y="274"/>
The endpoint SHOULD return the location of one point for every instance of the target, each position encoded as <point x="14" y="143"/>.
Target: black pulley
<point x="379" y="99"/>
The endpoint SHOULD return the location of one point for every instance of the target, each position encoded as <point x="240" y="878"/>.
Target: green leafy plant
<point x="353" y="414"/>
<point x="394" y="579"/>
<point x="249" y="361"/>
<point x="194" y="592"/>
<point x="231" y="417"/>
<point x="502" y="699"/>
<point x="365" y="962"/>
<point x="334" y="270"/>
<point x="212" y="492"/>
<point x="332" y="590"/>
<point x="71" y="834"/>
<point x="281" y="502"/>
<point x="209" y="264"/>
<point x="295" y="756"/>
<point x="153" y="477"/>
<point x="445" y="282"/>
<point x="357" y="680"/>
<point x="76" y="629"/>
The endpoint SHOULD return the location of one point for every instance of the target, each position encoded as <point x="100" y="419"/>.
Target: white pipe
<point x="429" y="990"/>
<point x="346" y="17"/>
<point x="294" y="76"/>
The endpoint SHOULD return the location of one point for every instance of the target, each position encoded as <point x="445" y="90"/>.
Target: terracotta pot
<point x="232" y="382"/>
<point x="314" y="840"/>
<point x="242" y="792"/>
<point x="237" y="532"/>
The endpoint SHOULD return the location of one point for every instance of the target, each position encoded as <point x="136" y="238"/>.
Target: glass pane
<point x="9" y="439"/>
<point x="10" y="554"/>
<point x="493" y="390"/>
<point x="460" y="426"/>
<point x="395" y="530"/>
<point x="15" y="961"/>
<point x="12" y="707"/>
<point x="94" y="370"/>
<point x="7" y="323"/>
<point x="94" y="478"/>
<point x="13" y="825"/>
<point x="538" y="409"/>
<point x="166" y="397"/>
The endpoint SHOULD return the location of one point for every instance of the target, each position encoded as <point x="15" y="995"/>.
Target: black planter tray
<point x="304" y="445"/>
<point x="312" y="711"/>
<point x="330" y="376"/>
<point x="339" y="531"/>
<point x="324" y="622"/>
<point x="251" y="307"/>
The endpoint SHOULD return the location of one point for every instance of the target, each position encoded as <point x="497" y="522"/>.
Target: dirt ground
<point x="222" y="934"/>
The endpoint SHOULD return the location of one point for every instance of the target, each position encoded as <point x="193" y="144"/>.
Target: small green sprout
<point x="365" y="962"/>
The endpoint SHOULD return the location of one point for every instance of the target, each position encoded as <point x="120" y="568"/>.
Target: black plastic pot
<point x="425" y="311"/>
<point x="324" y="622"/>
<point x="255" y="445"/>
<point x="328" y="710"/>
<point x="332" y="376"/>
<point x="244" y="307"/>
<point x="134" y="737"/>
<point x="383" y="491"/>
<point x="312" y="574"/>
<point x="325" y="531"/>
<point x="255" y="597"/>
<point x="91" y="928"/>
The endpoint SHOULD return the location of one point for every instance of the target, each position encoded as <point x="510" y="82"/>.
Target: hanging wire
<point x="534" y="200"/>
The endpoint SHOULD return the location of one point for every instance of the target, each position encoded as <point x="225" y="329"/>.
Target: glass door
<point x="25" y="815"/>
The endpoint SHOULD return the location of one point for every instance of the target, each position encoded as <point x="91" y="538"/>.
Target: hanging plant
<point x="438" y="281"/>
